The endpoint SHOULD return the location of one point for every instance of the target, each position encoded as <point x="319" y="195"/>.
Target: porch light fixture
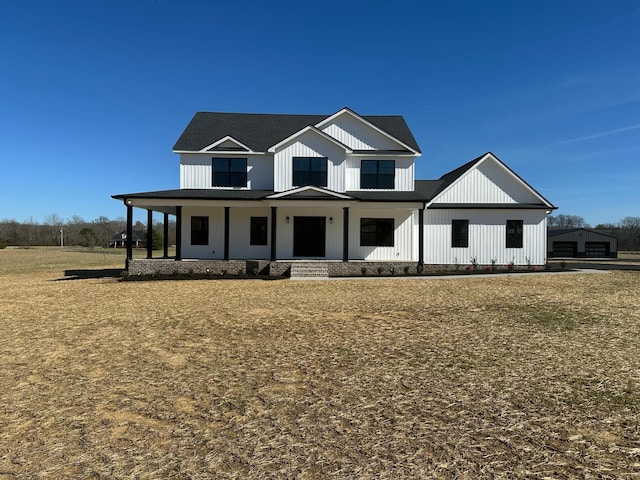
<point x="330" y="219"/>
<point x="287" y="219"/>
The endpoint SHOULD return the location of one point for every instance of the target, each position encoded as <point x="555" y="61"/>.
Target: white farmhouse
<point x="271" y="192"/>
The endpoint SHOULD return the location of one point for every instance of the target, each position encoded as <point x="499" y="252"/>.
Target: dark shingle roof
<point x="199" y="193"/>
<point x="259" y="131"/>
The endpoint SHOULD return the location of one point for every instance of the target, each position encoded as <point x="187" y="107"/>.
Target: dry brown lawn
<point x="529" y="377"/>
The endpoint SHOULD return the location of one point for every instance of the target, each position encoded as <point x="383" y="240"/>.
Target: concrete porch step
<point x="309" y="269"/>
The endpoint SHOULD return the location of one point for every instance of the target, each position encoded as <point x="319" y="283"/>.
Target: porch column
<point x="421" y="240"/>
<point x="178" y="233"/>
<point x="149" y="233"/>
<point x="274" y="217"/>
<point x="345" y="234"/>
<point x="226" y="233"/>
<point x="165" y="247"/>
<point x="129" y="236"/>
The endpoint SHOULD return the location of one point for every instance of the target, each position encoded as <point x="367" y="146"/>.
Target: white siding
<point x="487" y="237"/>
<point x="215" y="248"/>
<point x="358" y="135"/>
<point x="404" y="180"/>
<point x="195" y="170"/>
<point x="310" y="144"/>
<point x="239" y="233"/>
<point x="403" y="239"/>
<point x="333" y="238"/>
<point x="488" y="183"/>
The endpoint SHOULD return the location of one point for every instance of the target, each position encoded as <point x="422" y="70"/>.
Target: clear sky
<point x="93" y="94"/>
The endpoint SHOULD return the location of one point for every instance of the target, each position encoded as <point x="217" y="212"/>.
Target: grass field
<point x="528" y="377"/>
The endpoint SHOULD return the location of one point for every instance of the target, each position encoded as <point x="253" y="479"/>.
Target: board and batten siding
<point x="404" y="172"/>
<point x="239" y="233"/>
<point x="333" y="232"/>
<point x="309" y="144"/>
<point x="404" y="237"/>
<point x="488" y="183"/>
<point x="487" y="237"/>
<point x="358" y="135"/>
<point x="196" y="170"/>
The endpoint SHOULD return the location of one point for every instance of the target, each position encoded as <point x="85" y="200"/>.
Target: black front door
<point x="308" y="236"/>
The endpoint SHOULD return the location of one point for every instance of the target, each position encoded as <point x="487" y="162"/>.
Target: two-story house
<point x="278" y="189"/>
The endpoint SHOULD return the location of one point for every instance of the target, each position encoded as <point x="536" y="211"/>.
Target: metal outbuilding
<point x="580" y="243"/>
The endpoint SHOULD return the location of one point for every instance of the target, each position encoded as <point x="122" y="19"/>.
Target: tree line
<point x="627" y="230"/>
<point x="74" y="232"/>
<point x="98" y="232"/>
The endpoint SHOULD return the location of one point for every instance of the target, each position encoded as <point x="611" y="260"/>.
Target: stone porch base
<point x="279" y="268"/>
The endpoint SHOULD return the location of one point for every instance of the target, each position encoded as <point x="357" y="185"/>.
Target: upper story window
<point x="229" y="172"/>
<point x="377" y="174"/>
<point x="310" y="171"/>
<point x="514" y="233"/>
<point x="460" y="233"/>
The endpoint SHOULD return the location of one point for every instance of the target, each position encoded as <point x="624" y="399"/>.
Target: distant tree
<point x="567" y="221"/>
<point x="629" y="233"/>
<point x="90" y="237"/>
<point x="55" y="223"/>
<point x="156" y="240"/>
<point x="630" y="222"/>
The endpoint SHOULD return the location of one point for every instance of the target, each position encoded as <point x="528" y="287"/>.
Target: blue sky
<point x="93" y="94"/>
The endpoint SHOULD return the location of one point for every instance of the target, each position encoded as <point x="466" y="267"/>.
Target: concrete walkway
<point x="460" y="276"/>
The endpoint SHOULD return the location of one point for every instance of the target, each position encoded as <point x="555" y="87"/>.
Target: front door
<point x="309" y="236"/>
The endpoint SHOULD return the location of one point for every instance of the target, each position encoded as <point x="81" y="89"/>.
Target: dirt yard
<point x="529" y="377"/>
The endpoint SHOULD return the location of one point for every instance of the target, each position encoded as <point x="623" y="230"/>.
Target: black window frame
<point x="377" y="232"/>
<point x="459" y="233"/>
<point x="232" y="174"/>
<point x="306" y="171"/>
<point x="258" y="231"/>
<point x="514" y="234"/>
<point x="199" y="230"/>
<point x="373" y="177"/>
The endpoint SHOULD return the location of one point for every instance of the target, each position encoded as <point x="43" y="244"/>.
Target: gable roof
<point x="453" y="176"/>
<point x="554" y="232"/>
<point x="309" y="192"/>
<point x="259" y="131"/>
<point x="136" y="236"/>
<point x="314" y="130"/>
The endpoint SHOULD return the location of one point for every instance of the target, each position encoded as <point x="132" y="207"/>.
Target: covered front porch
<point x="265" y="235"/>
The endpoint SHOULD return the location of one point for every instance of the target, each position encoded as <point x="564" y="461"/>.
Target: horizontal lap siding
<point x="487" y="237"/>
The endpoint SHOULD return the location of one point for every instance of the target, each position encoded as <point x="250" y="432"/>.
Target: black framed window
<point x="258" y="231"/>
<point x="229" y="172"/>
<point x="459" y="233"/>
<point x="376" y="232"/>
<point x="377" y="174"/>
<point x="514" y="233"/>
<point x="310" y="171"/>
<point x="199" y="230"/>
